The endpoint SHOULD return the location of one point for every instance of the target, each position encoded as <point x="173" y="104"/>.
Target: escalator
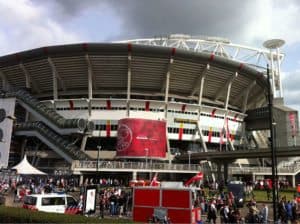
<point x="50" y="126"/>
<point x="55" y="141"/>
<point x="49" y="116"/>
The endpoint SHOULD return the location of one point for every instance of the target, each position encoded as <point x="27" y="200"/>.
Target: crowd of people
<point x="115" y="199"/>
<point x="115" y="202"/>
<point x="219" y="203"/>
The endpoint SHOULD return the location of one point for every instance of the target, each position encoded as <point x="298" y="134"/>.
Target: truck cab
<point x="238" y="191"/>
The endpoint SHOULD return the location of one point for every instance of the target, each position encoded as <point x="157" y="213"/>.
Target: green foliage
<point x="20" y="215"/>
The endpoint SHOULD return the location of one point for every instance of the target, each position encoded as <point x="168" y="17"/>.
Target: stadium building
<point x="91" y="107"/>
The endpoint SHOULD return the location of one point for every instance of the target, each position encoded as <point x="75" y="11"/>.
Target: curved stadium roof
<point x="149" y="66"/>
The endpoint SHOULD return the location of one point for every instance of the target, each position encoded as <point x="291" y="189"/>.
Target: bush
<point x="20" y="215"/>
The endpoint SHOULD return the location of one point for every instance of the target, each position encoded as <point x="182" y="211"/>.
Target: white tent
<point x="24" y="167"/>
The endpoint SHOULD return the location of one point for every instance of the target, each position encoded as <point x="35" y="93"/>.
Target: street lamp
<point x="273" y="152"/>
<point x="273" y="44"/>
<point x="189" y="154"/>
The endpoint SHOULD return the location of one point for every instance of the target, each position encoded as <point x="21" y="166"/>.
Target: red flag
<point x="147" y="106"/>
<point x="198" y="176"/>
<point x="71" y="103"/>
<point x="222" y="136"/>
<point x="209" y="134"/>
<point x="108" y="128"/>
<point x="180" y="132"/>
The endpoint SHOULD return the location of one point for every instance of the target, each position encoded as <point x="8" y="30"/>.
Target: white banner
<point x="6" y="126"/>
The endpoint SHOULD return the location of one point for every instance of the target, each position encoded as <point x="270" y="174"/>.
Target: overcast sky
<point x="26" y="24"/>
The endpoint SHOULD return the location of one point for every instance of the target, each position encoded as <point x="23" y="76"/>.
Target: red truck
<point x="173" y="204"/>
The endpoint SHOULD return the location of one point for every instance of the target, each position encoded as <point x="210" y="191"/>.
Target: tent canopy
<point x="24" y="167"/>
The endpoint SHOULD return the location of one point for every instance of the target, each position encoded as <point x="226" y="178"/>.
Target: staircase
<point x="55" y="141"/>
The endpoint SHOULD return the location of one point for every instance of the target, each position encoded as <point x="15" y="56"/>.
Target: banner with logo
<point x="141" y="138"/>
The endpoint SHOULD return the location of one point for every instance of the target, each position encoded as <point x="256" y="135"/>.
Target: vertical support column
<point x="90" y="83"/>
<point x="23" y="145"/>
<point x="293" y="181"/>
<point x="5" y="84"/>
<point x="225" y="171"/>
<point x="134" y="175"/>
<point x="128" y="81"/>
<point x="28" y="86"/>
<point x="246" y="96"/>
<point x="253" y="177"/>
<point x="219" y="171"/>
<point x="83" y="142"/>
<point x="203" y="76"/>
<point x="81" y="180"/>
<point x="278" y="72"/>
<point x="229" y="90"/>
<point x="167" y="84"/>
<point x="226" y="109"/>
<point x="54" y="78"/>
<point x="27" y="76"/>
<point x="272" y="73"/>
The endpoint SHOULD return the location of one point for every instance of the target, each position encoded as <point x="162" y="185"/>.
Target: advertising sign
<point x="141" y="138"/>
<point x="90" y="199"/>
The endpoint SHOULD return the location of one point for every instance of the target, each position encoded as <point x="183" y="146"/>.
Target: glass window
<point x="71" y="201"/>
<point x="29" y="200"/>
<point x="53" y="201"/>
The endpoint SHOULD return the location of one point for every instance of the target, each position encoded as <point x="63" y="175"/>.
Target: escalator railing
<point x="50" y="117"/>
<point x="55" y="141"/>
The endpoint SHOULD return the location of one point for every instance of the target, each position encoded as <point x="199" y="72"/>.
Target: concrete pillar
<point x="219" y="174"/>
<point x="81" y="179"/>
<point x="225" y="171"/>
<point x="293" y="181"/>
<point x="83" y="143"/>
<point x="134" y="175"/>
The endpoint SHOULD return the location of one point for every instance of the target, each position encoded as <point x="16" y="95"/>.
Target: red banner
<point x="141" y="138"/>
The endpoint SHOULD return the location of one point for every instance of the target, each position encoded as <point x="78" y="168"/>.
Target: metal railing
<point x="50" y="114"/>
<point x="292" y="169"/>
<point x="110" y="165"/>
<point x="63" y="145"/>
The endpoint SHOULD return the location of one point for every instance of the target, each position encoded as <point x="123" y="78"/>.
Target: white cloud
<point x="291" y="91"/>
<point x="27" y="26"/>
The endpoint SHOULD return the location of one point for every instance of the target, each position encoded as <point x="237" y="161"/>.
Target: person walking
<point x="264" y="212"/>
<point x="102" y="206"/>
